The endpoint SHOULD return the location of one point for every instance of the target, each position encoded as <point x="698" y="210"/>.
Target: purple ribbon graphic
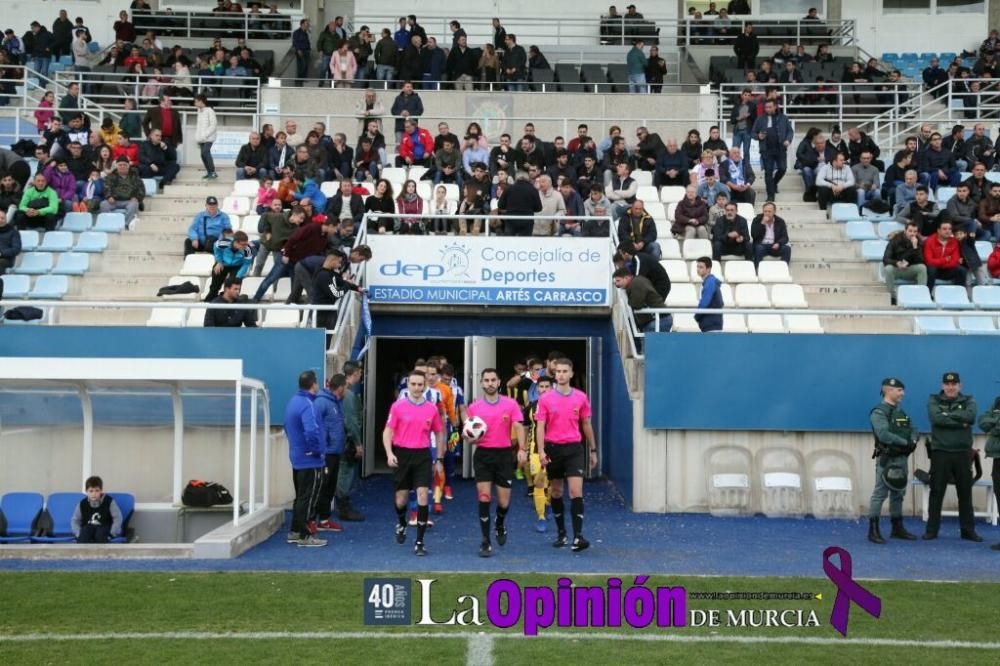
<point x="847" y="590"/>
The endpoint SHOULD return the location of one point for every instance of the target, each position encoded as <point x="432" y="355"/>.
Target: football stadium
<point x="573" y="334"/>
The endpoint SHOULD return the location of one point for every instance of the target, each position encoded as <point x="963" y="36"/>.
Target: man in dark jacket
<point x="62" y="35"/>
<point x="306" y="454"/>
<point x="329" y="410"/>
<point x="462" y="64"/>
<point x="904" y="258"/>
<point x="253" y="160"/>
<point x="515" y="61"/>
<point x="355" y="206"/>
<point x="938" y="165"/>
<point x="432" y="64"/>
<point x="731" y="236"/>
<point x="770" y="236"/>
<point x="157" y="158"/>
<point x="649" y="149"/>
<point x="646" y="265"/>
<point x="10" y="243"/>
<point x="166" y="119"/>
<point x="407" y="105"/>
<point x="671" y="169"/>
<point x="773" y="132"/>
<point x="641" y="295"/>
<point x="859" y="142"/>
<point x="746" y="48"/>
<point x="638" y="228"/>
<point x="521" y="198"/>
<point x="327" y="288"/>
<point x="809" y="157"/>
<point x="952" y="415"/>
<point x="231" y="318"/>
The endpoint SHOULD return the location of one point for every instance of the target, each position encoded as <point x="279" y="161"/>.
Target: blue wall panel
<point x="616" y="438"/>
<point x="274" y="356"/>
<point x="803" y="382"/>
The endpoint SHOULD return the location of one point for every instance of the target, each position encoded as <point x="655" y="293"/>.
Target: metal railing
<point x="603" y="86"/>
<point x="621" y="30"/>
<point x="226" y="93"/>
<point x="492" y="219"/>
<point x="710" y="31"/>
<point x="208" y="25"/>
<point x="828" y="102"/>
<point x="949" y="103"/>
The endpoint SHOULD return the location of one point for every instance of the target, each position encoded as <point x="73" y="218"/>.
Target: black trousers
<point x="307" y="485"/>
<point x="207" y="246"/>
<point x="94" y="534"/>
<point x="518" y="227"/>
<point x="826" y="196"/>
<point x="327" y="320"/>
<point x="218" y="279"/>
<point x="329" y="487"/>
<point x="996" y="479"/>
<point x="955" y="465"/>
<point x="48" y="222"/>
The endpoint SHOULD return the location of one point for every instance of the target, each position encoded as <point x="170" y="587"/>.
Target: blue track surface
<point x="621" y="542"/>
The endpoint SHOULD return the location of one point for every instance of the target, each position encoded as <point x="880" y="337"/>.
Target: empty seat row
<point x="948" y="297"/>
<point x="47" y="287"/>
<point x="686" y="295"/>
<point x="30" y="518"/>
<point x="40" y="263"/>
<point x="63" y="241"/>
<point x="862" y="230"/>
<point x="735" y="271"/>
<point x="755" y="323"/>
<point x="968" y="325"/>
<point x="112" y="223"/>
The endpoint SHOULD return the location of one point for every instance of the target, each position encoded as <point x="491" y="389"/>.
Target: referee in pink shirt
<point x="562" y="414"/>
<point x="492" y="462"/>
<point x="406" y="439"/>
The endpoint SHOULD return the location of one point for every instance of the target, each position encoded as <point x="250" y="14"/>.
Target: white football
<point x="474" y="429"/>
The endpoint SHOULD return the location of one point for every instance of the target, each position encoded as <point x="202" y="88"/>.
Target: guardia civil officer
<point x="895" y="440"/>
<point x="990" y="423"/>
<point x="951" y="415"/>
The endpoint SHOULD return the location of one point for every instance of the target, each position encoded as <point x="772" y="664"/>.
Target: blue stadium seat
<point x="987" y="298"/>
<point x="16" y="286"/>
<point x="861" y="230"/>
<point x="914" y="297"/>
<point x="984" y="249"/>
<point x="34" y="263"/>
<point x="952" y="297"/>
<point x="946" y="58"/>
<point x="72" y="263"/>
<point x="92" y="241"/>
<point x="77" y="222"/>
<point x="20" y="513"/>
<point x="993" y="176"/>
<point x="871" y="215"/>
<point x="935" y="326"/>
<point x="873" y="250"/>
<point x="890" y="57"/>
<point x="60" y="508"/>
<point x="908" y="56"/>
<point x="888" y="227"/>
<point x="50" y="287"/>
<point x="844" y="212"/>
<point x="112" y="223"/>
<point x="29" y="240"/>
<point x="57" y="241"/>
<point x="66" y="60"/>
<point x="943" y="194"/>
<point x="150" y="185"/>
<point x="93" y="47"/>
<point x="927" y="55"/>
<point x="977" y="325"/>
<point x="126" y="503"/>
<point x="55" y="68"/>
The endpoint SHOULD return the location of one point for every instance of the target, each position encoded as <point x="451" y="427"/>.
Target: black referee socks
<point x="576" y="508"/>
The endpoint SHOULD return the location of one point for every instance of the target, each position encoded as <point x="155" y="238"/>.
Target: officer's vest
<point x="899" y="424"/>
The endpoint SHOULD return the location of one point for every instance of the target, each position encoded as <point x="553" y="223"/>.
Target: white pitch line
<point x="597" y="634"/>
<point x="480" y="652"/>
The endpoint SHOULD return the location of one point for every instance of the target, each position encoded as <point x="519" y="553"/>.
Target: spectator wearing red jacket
<point x="993" y="263"/>
<point x="127" y="149"/>
<point x="943" y="257"/>
<point x="416" y="147"/>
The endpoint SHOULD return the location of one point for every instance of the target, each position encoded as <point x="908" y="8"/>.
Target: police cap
<point x="950" y="378"/>
<point x="893" y="382"/>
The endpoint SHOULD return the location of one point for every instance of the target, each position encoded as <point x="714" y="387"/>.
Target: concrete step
<point x="103" y="316"/>
<point x="162" y="261"/>
<point x="100" y="286"/>
<point x="186" y="205"/>
<point x="859" y="324"/>
<point x="857" y="273"/>
<point x="847" y="298"/>
<point x="162" y="242"/>
<point x="815" y="232"/>
<point x="836" y="251"/>
<point x="198" y="189"/>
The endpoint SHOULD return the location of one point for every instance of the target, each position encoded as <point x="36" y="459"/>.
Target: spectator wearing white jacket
<point x="205" y="134"/>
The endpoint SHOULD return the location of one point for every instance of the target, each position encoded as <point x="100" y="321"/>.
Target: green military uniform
<point x="895" y="440"/>
<point x="990" y="423"/>
<point x="951" y="445"/>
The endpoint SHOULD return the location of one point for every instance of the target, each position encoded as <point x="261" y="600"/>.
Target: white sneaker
<point x="131" y="225"/>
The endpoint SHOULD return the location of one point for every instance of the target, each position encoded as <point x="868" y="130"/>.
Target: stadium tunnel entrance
<point x="391" y="357"/>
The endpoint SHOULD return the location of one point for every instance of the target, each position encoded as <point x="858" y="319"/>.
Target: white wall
<point x="878" y="33"/>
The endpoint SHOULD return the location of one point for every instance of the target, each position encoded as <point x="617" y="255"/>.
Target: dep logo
<point x="454" y="266"/>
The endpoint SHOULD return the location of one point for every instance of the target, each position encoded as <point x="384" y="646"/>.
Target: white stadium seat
<point x="752" y="296"/>
<point x="788" y="296"/>
<point x="765" y="323"/>
<point x="247" y="187"/>
<point x="740" y="271"/>
<point x="773" y="271"/>
<point x="199" y="265"/>
<point x="676" y="269"/>
<point x="670" y="248"/>
<point x="697" y="247"/>
<point x="672" y="193"/>
<point x="647" y="193"/>
<point x="682" y="295"/>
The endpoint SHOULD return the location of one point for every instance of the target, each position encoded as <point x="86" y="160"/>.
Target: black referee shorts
<point x="413" y="469"/>
<point x="494" y="465"/>
<point x="565" y="460"/>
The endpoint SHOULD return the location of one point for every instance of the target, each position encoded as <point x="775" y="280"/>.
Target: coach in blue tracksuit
<point x="329" y="408"/>
<point x="305" y="451"/>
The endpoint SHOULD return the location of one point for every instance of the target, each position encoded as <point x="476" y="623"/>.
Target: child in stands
<point x="97" y="519"/>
